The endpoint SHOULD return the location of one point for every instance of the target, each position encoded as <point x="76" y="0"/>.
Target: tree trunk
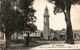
<point x="7" y="41"/>
<point x="69" y="31"/>
<point x="8" y="37"/>
<point x="27" y="39"/>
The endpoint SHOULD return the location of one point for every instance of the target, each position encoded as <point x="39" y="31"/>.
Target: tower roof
<point x="46" y="9"/>
<point x="46" y="14"/>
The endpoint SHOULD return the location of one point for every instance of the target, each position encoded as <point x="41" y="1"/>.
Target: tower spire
<point x="46" y="9"/>
<point x="46" y="13"/>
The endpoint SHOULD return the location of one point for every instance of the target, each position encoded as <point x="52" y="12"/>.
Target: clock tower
<point x="46" y="24"/>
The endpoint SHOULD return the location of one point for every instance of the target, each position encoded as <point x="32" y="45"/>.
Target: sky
<point x="56" y="21"/>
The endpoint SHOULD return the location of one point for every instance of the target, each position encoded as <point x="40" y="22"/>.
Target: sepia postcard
<point x="39" y="25"/>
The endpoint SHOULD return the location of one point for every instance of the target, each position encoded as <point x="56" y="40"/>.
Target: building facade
<point x="62" y="34"/>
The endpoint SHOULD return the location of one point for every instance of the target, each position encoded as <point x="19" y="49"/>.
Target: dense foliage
<point x="16" y="16"/>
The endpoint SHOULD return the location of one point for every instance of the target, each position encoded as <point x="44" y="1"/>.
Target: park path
<point x="36" y="46"/>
